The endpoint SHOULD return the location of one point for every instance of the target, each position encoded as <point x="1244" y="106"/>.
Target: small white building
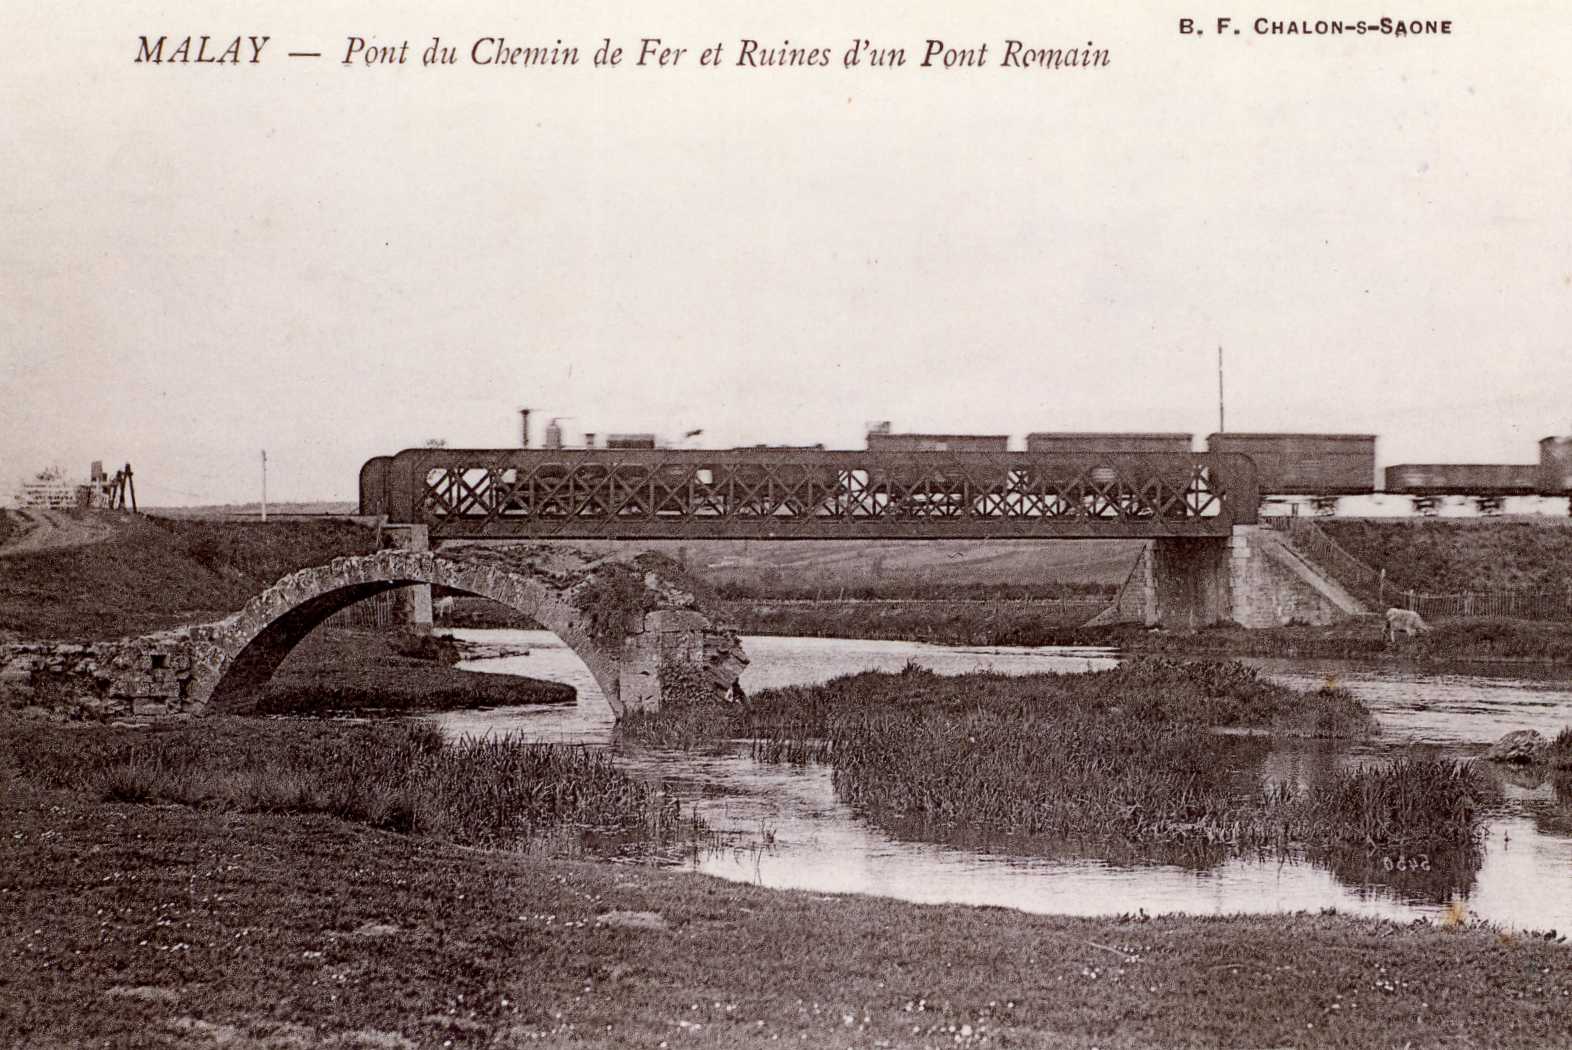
<point x="48" y="490"/>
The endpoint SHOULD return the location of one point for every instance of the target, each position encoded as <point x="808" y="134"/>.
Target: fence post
<point x="1411" y="605"/>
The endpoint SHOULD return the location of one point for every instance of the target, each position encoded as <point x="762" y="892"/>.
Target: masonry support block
<point x="1190" y="583"/>
<point x="1273" y="583"/>
<point x="414" y="602"/>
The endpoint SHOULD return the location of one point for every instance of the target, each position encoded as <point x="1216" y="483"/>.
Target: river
<point x="782" y="826"/>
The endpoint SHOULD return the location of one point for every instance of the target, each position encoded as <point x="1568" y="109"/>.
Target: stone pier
<point x="413" y="602"/>
<point x="1254" y="577"/>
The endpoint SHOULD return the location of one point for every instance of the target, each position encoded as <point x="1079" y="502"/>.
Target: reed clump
<point x="1410" y="802"/>
<point x="399" y="776"/>
<point x="1559" y="754"/>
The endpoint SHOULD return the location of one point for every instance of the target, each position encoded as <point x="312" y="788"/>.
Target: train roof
<point x="1094" y="434"/>
<point x="937" y="437"/>
<point x="1268" y="435"/>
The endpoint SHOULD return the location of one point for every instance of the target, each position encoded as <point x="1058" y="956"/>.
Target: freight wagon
<point x="1471" y="479"/>
<point x="924" y="492"/>
<point x="1102" y="492"/>
<point x="1065" y="441"/>
<point x="1327" y="465"/>
<point x="1555" y="466"/>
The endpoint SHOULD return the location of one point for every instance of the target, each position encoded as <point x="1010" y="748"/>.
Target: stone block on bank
<point x="1519" y="747"/>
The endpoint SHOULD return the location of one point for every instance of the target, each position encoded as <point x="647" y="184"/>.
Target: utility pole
<point x="1222" y="427"/>
<point x="264" y="484"/>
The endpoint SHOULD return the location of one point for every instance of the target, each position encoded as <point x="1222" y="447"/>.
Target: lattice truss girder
<point x="519" y="490"/>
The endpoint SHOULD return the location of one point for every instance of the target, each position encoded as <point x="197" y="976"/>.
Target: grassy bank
<point x="145" y="573"/>
<point x="400" y="776"/>
<point x="339" y="671"/>
<point x="1486" y="639"/>
<point x="1443" y="555"/>
<point x="141" y="926"/>
<point x="938" y="622"/>
<point x="1136" y="753"/>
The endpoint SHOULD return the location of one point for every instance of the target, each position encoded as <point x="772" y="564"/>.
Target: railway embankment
<point x="1444" y="555"/>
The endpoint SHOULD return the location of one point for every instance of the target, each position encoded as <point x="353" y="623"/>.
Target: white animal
<point x="1403" y="621"/>
<point x="441" y="609"/>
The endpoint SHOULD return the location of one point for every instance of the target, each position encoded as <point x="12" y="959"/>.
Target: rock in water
<point x="1520" y="746"/>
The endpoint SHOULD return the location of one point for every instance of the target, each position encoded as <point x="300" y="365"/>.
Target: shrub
<point x="609" y="598"/>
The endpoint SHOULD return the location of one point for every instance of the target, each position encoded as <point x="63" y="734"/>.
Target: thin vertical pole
<point x="1222" y="427"/>
<point x="264" y="484"/>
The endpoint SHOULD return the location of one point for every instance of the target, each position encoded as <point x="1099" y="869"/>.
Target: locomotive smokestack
<point x="523" y="428"/>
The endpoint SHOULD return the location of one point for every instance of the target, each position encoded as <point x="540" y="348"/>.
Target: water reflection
<point x="783" y="826"/>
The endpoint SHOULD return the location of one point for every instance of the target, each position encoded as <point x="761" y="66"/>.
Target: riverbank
<point x="1489" y="639"/>
<point x="403" y="776"/>
<point x="169" y="926"/>
<point x="937" y="622"/>
<point x="359" y="672"/>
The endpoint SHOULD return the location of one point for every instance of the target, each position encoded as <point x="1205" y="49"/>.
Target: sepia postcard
<point x="701" y="524"/>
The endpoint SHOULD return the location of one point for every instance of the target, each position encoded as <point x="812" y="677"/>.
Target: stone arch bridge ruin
<point x="636" y="623"/>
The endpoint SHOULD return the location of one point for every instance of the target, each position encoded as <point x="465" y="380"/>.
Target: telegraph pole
<point x="264" y="484"/>
<point x="1222" y="427"/>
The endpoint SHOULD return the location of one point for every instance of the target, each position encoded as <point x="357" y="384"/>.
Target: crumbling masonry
<point x="640" y="641"/>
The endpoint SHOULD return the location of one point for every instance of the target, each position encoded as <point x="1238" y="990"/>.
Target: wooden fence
<point x="378" y="611"/>
<point x="1520" y="605"/>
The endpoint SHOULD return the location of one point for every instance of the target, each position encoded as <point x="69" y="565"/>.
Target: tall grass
<point x="399" y="776"/>
<point x="1408" y="803"/>
<point x="1559" y="754"/>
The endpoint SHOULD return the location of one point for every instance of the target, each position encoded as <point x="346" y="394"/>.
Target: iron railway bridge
<point x="809" y="494"/>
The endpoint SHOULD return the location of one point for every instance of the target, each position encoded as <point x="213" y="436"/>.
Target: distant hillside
<point x="254" y="510"/>
<point x="903" y="568"/>
<point x="1443" y="555"/>
<point x="115" y="574"/>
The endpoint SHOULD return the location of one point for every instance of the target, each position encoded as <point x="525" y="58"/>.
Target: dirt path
<point x="37" y="530"/>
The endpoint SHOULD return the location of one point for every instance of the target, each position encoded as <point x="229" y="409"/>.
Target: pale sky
<point x="334" y="262"/>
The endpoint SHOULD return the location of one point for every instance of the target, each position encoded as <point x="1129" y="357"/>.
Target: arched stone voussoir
<point x="635" y="623"/>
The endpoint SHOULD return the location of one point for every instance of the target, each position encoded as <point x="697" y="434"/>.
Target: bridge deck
<point x="809" y="494"/>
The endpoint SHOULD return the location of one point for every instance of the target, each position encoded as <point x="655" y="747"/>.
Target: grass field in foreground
<point x="142" y="926"/>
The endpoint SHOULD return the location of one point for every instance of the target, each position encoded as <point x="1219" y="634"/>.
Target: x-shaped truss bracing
<point x="812" y="494"/>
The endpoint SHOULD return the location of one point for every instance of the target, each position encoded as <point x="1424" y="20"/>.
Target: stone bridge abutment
<point x="1253" y="577"/>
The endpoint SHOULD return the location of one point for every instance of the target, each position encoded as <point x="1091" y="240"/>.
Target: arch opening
<point x="665" y="632"/>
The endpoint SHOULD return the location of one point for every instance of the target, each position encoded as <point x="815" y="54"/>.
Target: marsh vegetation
<point x="400" y="776"/>
<point x="1154" y="751"/>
